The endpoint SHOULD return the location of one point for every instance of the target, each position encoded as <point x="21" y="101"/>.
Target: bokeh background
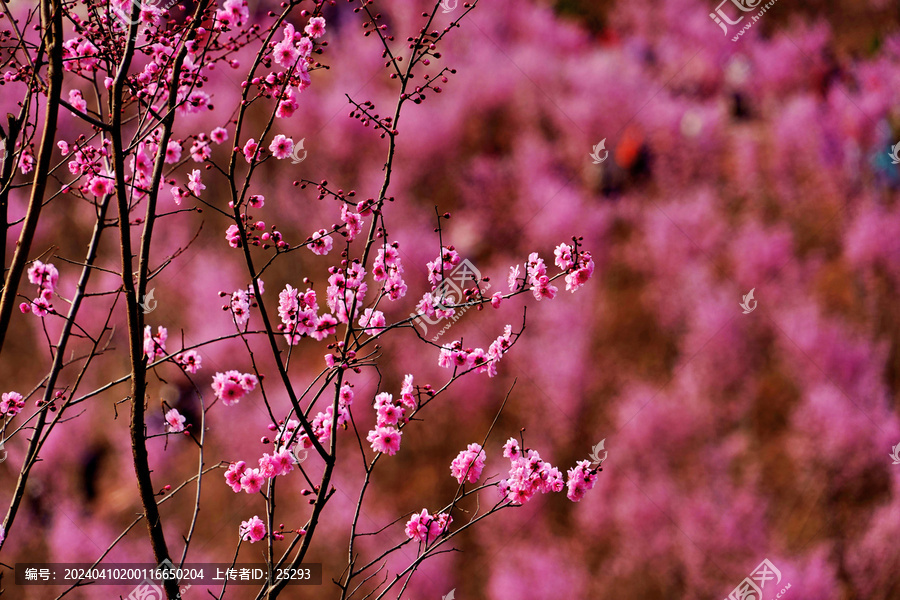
<point x="732" y="437"/>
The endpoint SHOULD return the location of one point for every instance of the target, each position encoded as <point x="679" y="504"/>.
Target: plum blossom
<point x="233" y="475"/>
<point x="219" y="135"/>
<point x="155" y="345"/>
<point x="173" y="152"/>
<point x="469" y="464"/>
<point x="77" y="100"/>
<point x="285" y="52"/>
<point x="252" y="481"/>
<point x="281" y="147"/>
<point x="253" y="530"/>
<point x="250" y="150"/>
<point x="175" y="421"/>
<point x="194" y="183"/>
<point x="190" y="360"/>
<point x="427" y="528"/>
<point x="315" y="28"/>
<point x="385" y="440"/>
<point x="321" y="243"/>
<point x="372" y="321"/>
<point x="11" y="404"/>
<point x="581" y="479"/>
<point x="231" y="386"/>
<point x="233" y="235"/>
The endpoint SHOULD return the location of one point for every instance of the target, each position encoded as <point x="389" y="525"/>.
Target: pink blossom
<point x="285" y="53"/>
<point x="563" y="254"/>
<point x="175" y="421"/>
<point x="353" y="220"/>
<point x="194" y="183"/>
<point x="315" y="28"/>
<point x="281" y="147"/>
<point x="252" y="481"/>
<point x="288" y="105"/>
<point x="407" y="393"/>
<point x="190" y="360"/>
<point x="173" y="152"/>
<point x="321" y="243"/>
<point x="427" y="528"/>
<point x="513" y="277"/>
<point x="385" y="439"/>
<point x="250" y="150"/>
<point x="234" y="473"/>
<point x="233" y="235"/>
<point x="11" y="404"/>
<point x="388" y="414"/>
<point x="77" y="100"/>
<point x="256" y="201"/>
<point x="231" y="386"/>
<point x="581" y="479"/>
<point x="155" y="345"/>
<point x="372" y="321"/>
<point x="100" y="186"/>
<point x="469" y="464"/>
<point x="45" y="276"/>
<point x="219" y="135"/>
<point x="253" y="530"/>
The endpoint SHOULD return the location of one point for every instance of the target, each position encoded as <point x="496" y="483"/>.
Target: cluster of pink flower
<point x="388" y="415"/>
<point x="155" y="345"/>
<point x="344" y="288"/>
<point x="321" y="243"/>
<point x="580" y="265"/>
<point x="45" y="276"/>
<point x="469" y="464"/>
<point x="529" y="474"/>
<point x="454" y="356"/>
<point x="241" y="301"/>
<point x="190" y="360"/>
<point x="299" y="316"/>
<point x="387" y="268"/>
<point x="11" y="404"/>
<point x="427" y="528"/>
<point x="231" y="386"/>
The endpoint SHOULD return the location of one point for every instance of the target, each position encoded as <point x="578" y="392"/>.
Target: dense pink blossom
<point x="155" y="343"/>
<point x="231" y="386"/>
<point x="190" y="360"/>
<point x="427" y="528"/>
<point x="469" y="464"/>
